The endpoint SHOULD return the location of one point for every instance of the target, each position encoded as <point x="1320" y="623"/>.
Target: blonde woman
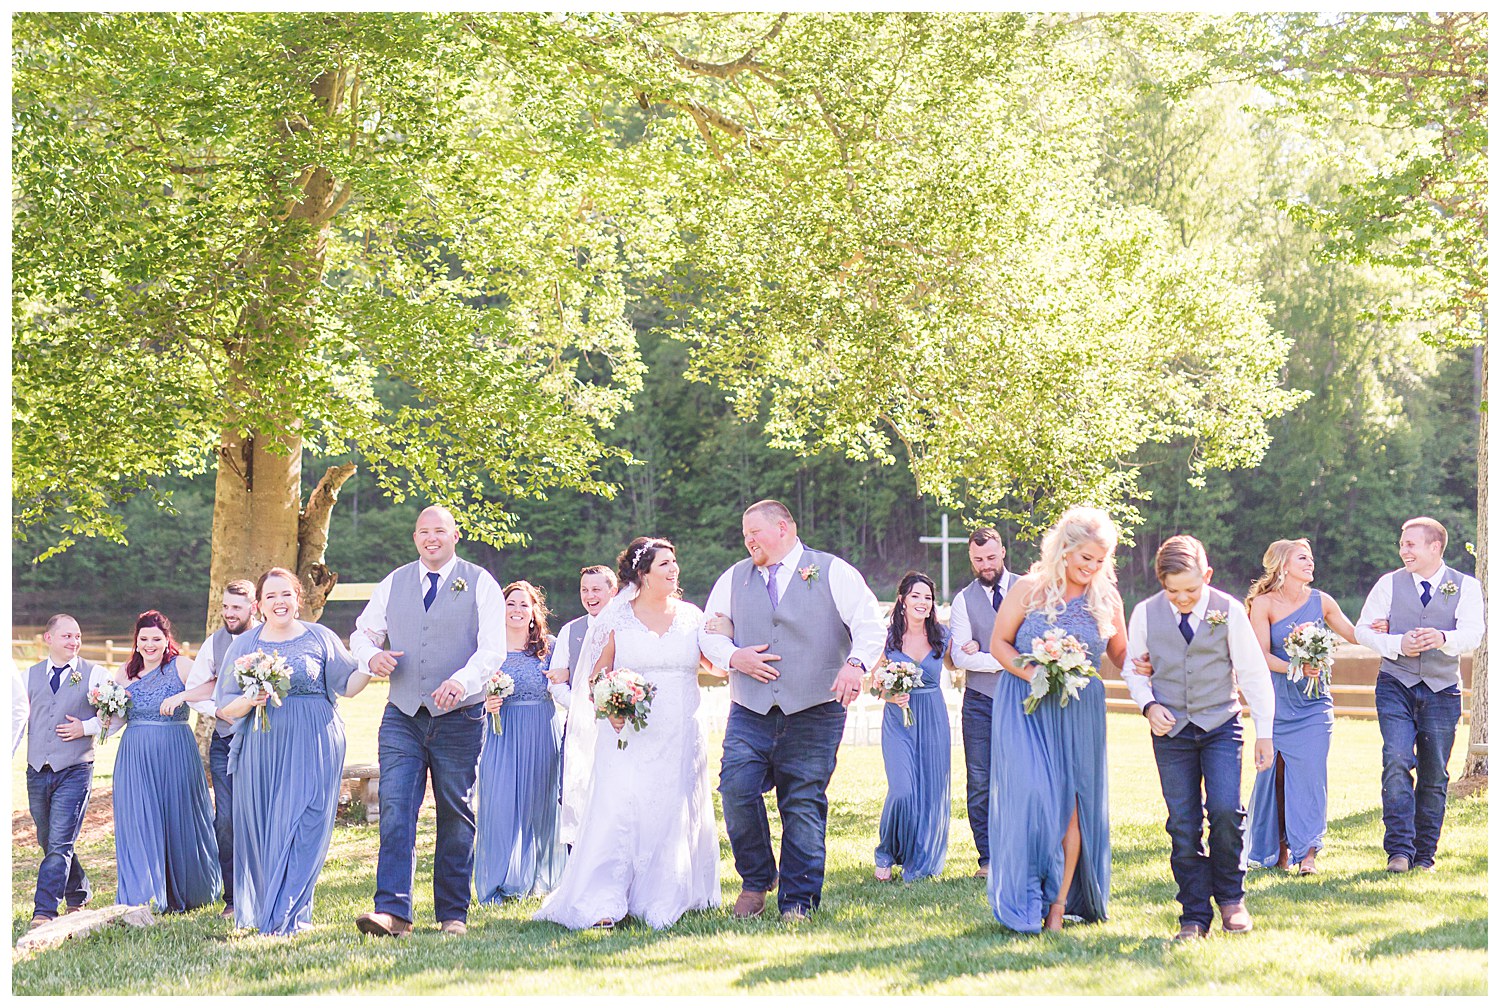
<point x="1049" y="802"/>
<point x="1289" y="804"/>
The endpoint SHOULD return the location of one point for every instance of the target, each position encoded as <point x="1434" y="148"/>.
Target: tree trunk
<point x="1478" y="764"/>
<point x="312" y="541"/>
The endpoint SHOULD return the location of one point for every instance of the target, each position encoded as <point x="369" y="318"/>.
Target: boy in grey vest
<point x="237" y="611"/>
<point x="1430" y="615"/>
<point x="60" y="763"/>
<point x="436" y="628"/>
<point x="971" y="619"/>
<point x="806" y="626"/>
<point x="1191" y="651"/>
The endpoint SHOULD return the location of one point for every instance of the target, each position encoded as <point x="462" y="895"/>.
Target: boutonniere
<point x="808" y="573"/>
<point x="1216" y="617"/>
<point x="459" y="585"/>
<point x="1449" y="588"/>
<point x="76" y="677"/>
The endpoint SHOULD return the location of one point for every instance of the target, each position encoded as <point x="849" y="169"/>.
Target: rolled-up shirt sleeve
<point x="859" y="610"/>
<point x="718" y="648"/>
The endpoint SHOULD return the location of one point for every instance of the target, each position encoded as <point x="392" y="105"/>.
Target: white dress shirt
<point x="1251" y="673"/>
<point x="562" y="693"/>
<point x="20" y="708"/>
<point x="369" y="636"/>
<point x="855" y="602"/>
<point x="958" y="626"/>
<point x="1469" y="614"/>
<point x="203" y="670"/>
<point x="98" y="677"/>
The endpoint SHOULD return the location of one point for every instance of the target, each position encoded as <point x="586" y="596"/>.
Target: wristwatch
<point x="855" y="662"/>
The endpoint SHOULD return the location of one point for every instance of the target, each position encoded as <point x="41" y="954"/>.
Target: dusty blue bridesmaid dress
<point x="914" y="821"/>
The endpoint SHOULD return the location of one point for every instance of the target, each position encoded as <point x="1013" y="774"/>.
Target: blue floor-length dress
<point x="286" y="781"/>
<point x="517" y="850"/>
<point x="1301" y="736"/>
<point x="914" y="821"/>
<point x="165" y="850"/>
<point x="1042" y="766"/>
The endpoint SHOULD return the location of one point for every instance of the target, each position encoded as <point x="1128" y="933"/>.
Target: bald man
<point x="436" y="629"/>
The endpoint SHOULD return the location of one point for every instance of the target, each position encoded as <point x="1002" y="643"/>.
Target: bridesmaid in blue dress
<point x="287" y="776"/>
<point x="1049" y="800"/>
<point x="914" y="821"/>
<point x="165" y="849"/>
<point x="1288" y="815"/>
<point x="517" y="849"/>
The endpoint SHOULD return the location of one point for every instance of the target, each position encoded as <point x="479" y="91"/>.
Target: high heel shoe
<point x="1309" y="864"/>
<point x="1054" y="920"/>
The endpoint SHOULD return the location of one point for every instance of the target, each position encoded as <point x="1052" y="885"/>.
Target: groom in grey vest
<point x="806" y="626"/>
<point x="442" y="622"/>
<point x="971" y="619"/>
<point x="237" y="610"/>
<point x="1433" y="615"/>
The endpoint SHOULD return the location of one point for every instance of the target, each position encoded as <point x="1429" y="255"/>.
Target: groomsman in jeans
<point x="1432" y="614"/>
<point x="970" y="621"/>
<point x="237" y="610"/>
<point x="61" y="728"/>
<point x="441" y="621"/>
<point x="806" y="626"/>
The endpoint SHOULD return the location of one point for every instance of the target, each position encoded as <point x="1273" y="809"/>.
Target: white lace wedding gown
<point x="647" y="844"/>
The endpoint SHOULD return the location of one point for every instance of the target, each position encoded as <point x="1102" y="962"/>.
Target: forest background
<point x="1172" y="115"/>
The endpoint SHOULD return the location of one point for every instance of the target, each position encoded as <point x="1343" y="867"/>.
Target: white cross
<point x="945" y="541"/>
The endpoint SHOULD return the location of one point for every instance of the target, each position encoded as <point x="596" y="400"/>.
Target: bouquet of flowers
<point x="501" y="685"/>
<point x="258" y="672"/>
<point x="1064" y="670"/>
<point x="624" y="694"/>
<point x="110" y="700"/>
<point x="895" y="678"/>
<point x="1309" y="656"/>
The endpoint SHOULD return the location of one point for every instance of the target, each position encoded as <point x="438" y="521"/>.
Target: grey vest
<point x="574" y="633"/>
<point x="1439" y="671"/>
<point x="220" y="642"/>
<point x="976" y="602"/>
<point x="805" y="629"/>
<point x="437" y="641"/>
<point x="1194" y="681"/>
<point x="48" y="710"/>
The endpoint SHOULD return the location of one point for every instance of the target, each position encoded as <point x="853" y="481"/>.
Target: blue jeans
<point x="218" y="769"/>
<point x="1416" y="728"/>
<point x="59" y="799"/>
<point x="448" y="746"/>
<point x="1200" y="775"/>
<point x="978" y="713"/>
<point x="795" y="754"/>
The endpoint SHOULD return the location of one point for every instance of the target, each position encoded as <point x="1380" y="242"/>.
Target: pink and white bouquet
<point x="110" y="700"/>
<point x="894" y="679"/>
<point x="501" y="685"/>
<point x="622" y="693"/>
<point x="259" y="672"/>
<point x="1063" y="669"/>
<point x="1309" y="657"/>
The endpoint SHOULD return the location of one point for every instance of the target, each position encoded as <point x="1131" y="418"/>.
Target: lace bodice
<point x="305" y="656"/>
<point x="1075" y="619"/>
<point x="670" y="655"/>
<point x="529" y="674"/>
<point x="147" y="693"/>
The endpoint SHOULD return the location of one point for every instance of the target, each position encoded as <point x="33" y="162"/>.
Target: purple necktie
<point x="771" y="589"/>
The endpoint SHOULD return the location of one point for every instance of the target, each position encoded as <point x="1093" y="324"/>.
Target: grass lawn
<point x="1352" y="929"/>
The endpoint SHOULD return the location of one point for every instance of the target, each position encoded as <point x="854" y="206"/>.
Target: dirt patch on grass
<point x="1465" y="786"/>
<point x="98" y="823"/>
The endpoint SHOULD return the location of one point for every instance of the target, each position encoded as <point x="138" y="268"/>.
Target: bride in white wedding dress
<point x="647" y="844"/>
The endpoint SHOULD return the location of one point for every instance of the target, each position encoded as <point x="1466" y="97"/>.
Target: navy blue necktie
<point x="1426" y="592"/>
<point x="432" y="581"/>
<point x="57" y="674"/>
<point x="1187" y="630"/>
<point x="995" y="600"/>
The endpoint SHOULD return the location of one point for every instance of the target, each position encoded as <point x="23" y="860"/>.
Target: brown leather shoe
<point x="1234" y="918"/>
<point x="750" y="903"/>
<point x="1189" y="932"/>
<point x="456" y="928"/>
<point x="227" y="913"/>
<point x="74" y="909"/>
<point x="39" y="919"/>
<point x="1398" y="863"/>
<point x="983" y="871"/>
<point x="383" y="925"/>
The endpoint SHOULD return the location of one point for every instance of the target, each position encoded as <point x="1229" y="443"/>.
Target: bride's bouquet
<point x="1309" y="656"/>
<point x="501" y="685"/>
<point x="258" y="672"/>
<point x="896" y="678"/>
<point x="110" y="700"/>
<point x="624" y="694"/>
<point x="1064" y="668"/>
